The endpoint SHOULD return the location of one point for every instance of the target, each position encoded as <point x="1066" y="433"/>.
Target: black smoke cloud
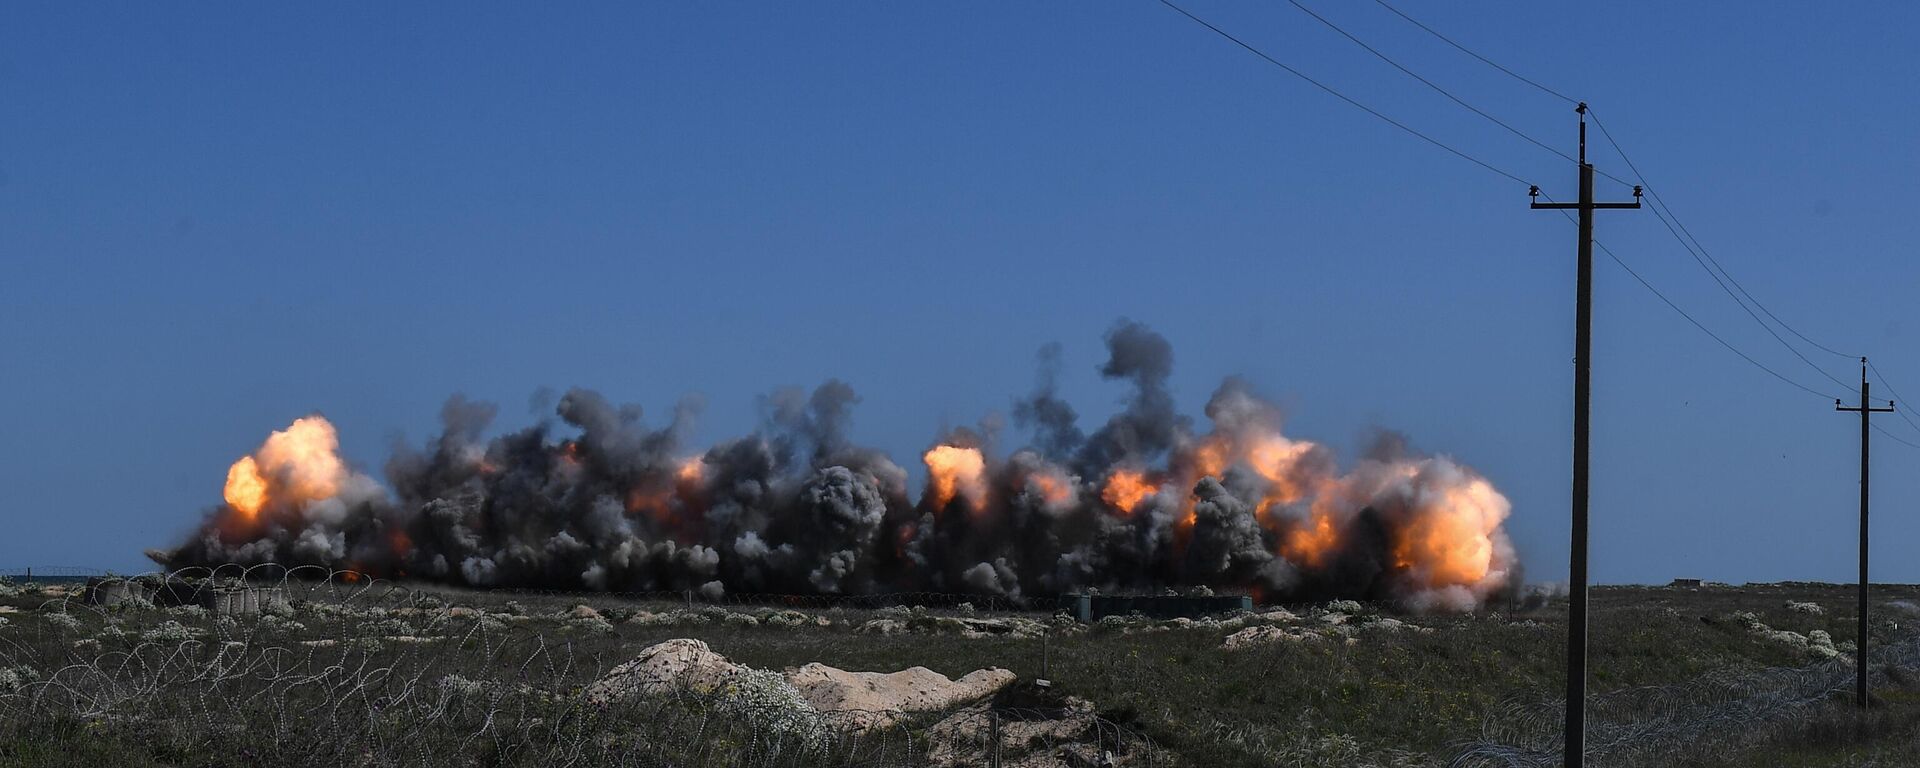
<point x="595" y="498"/>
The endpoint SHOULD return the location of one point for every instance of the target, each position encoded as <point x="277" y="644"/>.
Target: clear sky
<point x="215" y="221"/>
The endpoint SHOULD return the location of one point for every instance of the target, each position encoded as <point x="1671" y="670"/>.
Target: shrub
<point x="773" y="705"/>
<point x="14" y="678"/>
<point x="168" y="631"/>
<point x="592" y="624"/>
<point x="390" y="628"/>
<point x="461" y="686"/>
<point x="280" y="624"/>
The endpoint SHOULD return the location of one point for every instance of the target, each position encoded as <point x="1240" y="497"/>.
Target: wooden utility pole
<point x="1576" y="726"/>
<point x="1866" y="411"/>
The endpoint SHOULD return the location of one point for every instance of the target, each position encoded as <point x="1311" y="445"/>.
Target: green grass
<point x="1406" y="698"/>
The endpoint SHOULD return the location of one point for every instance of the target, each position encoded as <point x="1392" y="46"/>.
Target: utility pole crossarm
<point x="1540" y="206"/>
<point x="1855" y="409"/>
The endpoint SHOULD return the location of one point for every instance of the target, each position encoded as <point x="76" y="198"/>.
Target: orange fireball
<point x="1125" y="490"/>
<point x="1451" y="543"/>
<point x="296" y="465"/>
<point x="955" y="471"/>
<point x="246" y="490"/>
<point x="1310" y="544"/>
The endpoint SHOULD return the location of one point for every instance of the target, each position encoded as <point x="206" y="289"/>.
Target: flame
<point x="1275" y="457"/>
<point x="657" y="497"/>
<point x="1451" y="541"/>
<point x="246" y="490"/>
<point x="1125" y="489"/>
<point x="690" y="472"/>
<point x="1310" y="544"/>
<point x="1053" y="490"/>
<point x="955" y="471"/>
<point x="1212" y="458"/>
<point x="296" y="465"/>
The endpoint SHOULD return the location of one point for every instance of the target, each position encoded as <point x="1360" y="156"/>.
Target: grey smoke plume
<point x="1148" y="426"/>
<point x="599" y="498"/>
<point x="1056" y="435"/>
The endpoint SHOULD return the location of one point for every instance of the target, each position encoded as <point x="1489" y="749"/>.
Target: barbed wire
<point x="317" y="666"/>
<point x="1656" y="725"/>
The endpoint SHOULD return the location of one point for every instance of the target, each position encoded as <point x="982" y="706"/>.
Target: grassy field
<point x="410" y="676"/>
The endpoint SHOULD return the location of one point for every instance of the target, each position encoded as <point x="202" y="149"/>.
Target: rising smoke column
<point x="597" y="498"/>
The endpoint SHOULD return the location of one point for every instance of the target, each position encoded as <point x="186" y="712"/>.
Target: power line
<point x="1712" y="266"/>
<point x="1703" y="249"/>
<point x="1664" y="219"/>
<point x="1662" y="210"/>
<point x="1430" y="84"/>
<point x="1343" y="97"/>
<point x="1703" y="329"/>
<point x="1684" y="236"/>
<point x="1890" y="436"/>
<point x="1672" y="226"/>
<point x="1696" y="323"/>
<point x="1896" y="395"/>
<point x="1483" y="59"/>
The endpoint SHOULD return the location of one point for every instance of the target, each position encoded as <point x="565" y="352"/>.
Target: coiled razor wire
<point x="1652" y="725"/>
<point x="453" y="690"/>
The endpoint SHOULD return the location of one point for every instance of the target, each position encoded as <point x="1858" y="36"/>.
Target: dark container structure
<point x="1087" y="609"/>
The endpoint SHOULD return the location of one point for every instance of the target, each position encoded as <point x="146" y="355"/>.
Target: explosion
<point x="1125" y="490"/>
<point x="600" y="500"/>
<point x="296" y="465"/>
<point x="246" y="490"/>
<point x="953" y="470"/>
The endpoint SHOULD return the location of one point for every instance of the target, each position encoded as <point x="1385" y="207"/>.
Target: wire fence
<point x="306" y="666"/>
<point x="51" y="573"/>
<point x="1715" y="715"/>
<point x="683" y="597"/>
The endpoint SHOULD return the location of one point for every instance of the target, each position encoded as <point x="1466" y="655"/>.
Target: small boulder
<point x="663" y="668"/>
<point x="1266" y="635"/>
<point x="877" y="699"/>
<point x="883" y="627"/>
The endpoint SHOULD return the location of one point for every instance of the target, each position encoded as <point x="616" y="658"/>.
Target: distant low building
<point x="1089" y="608"/>
<point x="1689" y="583"/>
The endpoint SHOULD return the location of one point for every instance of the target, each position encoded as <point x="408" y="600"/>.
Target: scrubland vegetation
<point x="344" y="674"/>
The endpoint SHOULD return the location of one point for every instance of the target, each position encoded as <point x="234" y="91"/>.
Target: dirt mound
<point x="668" y="667"/>
<point x="856" y="699"/>
<point x="874" y="699"/>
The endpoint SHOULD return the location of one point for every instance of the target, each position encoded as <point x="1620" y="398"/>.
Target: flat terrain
<point x="347" y="674"/>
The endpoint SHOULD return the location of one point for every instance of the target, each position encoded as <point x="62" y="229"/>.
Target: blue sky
<point x="214" y="222"/>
